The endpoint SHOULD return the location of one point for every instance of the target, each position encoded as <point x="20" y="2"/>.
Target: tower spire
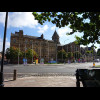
<point x="55" y="37"/>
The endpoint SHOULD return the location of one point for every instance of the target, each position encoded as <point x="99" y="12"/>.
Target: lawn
<point x="97" y="66"/>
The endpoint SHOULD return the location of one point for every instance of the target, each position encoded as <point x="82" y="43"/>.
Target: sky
<point x="25" y="21"/>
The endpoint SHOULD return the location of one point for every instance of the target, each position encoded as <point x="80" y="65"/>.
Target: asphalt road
<point x="60" y="69"/>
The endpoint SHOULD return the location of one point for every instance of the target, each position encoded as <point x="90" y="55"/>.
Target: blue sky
<point x="25" y="21"/>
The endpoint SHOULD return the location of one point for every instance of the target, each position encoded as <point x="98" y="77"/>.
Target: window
<point x="26" y="41"/>
<point x="31" y="42"/>
<point x="14" y="40"/>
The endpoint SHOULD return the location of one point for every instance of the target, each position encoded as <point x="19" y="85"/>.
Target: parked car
<point x="97" y="60"/>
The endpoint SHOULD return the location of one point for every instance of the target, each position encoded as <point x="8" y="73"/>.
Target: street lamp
<point x="56" y="52"/>
<point x="18" y="54"/>
<point x="48" y="50"/>
<point x="40" y="52"/>
<point x="2" y="61"/>
<point x="67" y="45"/>
<point x="93" y="57"/>
<point x="62" y="53"/>
<point x="32" y="52"/>
<point x="25" y="49"/>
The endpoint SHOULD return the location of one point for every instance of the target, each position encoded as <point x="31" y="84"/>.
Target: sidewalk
<point x="42" y="81"/>
<point x="47" y="64"/>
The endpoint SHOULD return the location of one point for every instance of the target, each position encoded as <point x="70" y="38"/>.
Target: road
<point x="59" y="69"/>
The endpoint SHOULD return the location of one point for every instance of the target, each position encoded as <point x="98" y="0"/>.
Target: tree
<point x="77" y="55"/>
<point x="98" y="52"/>
<point x="69" y="55"/>
<point x="11" y="53"/>
<point x="29" y="54"/>
<point x="61" y="54"/>
<point x="86" y="22"/>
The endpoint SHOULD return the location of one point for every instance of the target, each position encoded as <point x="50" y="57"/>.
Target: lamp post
<point x="18" y="54"/>
<point x="67" y="45"/>
<point x="48" y="50"/>
<point x="40" y="52"/>
<point x="56" y="52"/>
<point x="25" y="49"/>
<point x="2" y="61"/>
<point x="62" y="53"/>
<point x="32" y="52"/>
<point x="93" y="57"/>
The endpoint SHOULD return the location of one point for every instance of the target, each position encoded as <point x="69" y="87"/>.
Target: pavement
<point x="46" y="80"/>
<point x="42" y="81"/>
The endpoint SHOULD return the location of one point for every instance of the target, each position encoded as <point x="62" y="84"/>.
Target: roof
<point x="31" y="36"/>
<point x="55" y="34"/>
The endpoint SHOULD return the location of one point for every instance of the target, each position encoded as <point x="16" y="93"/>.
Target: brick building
<point x="87" y="54"/>
<point x="44" y="48"/>
<point x="71" y="47"/>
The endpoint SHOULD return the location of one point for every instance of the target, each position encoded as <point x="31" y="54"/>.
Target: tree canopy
<point x="62" y="54"/>
<point x="87" y="23"/>
<point x="12" y="53"/>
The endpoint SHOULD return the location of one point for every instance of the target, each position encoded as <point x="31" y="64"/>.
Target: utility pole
<point x="2" y="61"/>
<point x="32" y="52"/>
<point x="93" y="57"/>
<point x="48" y="50"/>
<point x="67" y="46"/>
<point x="62" y="53"/>
<point x="40" y="52"/>
<point x="25" y="49"/>
<point x="18" y="54"/>
<point x="56" y="52"/>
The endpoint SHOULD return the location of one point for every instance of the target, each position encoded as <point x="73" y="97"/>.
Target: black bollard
<point x="15" y="75"/>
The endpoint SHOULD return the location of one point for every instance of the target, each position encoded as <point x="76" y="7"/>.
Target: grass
<point x="53" y="63"/>
<point x="97" y="66"/>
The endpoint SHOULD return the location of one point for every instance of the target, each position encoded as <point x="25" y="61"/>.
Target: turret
<point x="55" y="37"/>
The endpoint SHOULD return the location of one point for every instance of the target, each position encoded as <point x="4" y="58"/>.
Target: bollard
<point x="93" y="64"/>
<point x="15" y="75"/>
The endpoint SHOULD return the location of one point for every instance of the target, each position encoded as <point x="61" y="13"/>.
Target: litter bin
<point x="88" y="77"/>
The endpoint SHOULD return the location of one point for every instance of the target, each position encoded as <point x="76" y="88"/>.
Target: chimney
<point x="42" y="36"/>
<point x="20" y="32"/>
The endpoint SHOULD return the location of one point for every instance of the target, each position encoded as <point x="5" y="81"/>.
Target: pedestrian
<point x="78" y="60"/>
<point x="24" y="61"/>
<point x="68" y="61"/>
<point x="75" y="60"/>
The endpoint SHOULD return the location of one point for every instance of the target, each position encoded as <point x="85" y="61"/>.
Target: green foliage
<point x="86" y="22"/>
<point x="77" y="54"/>
<point x="29" y="54"/>
<point x="98" y="52"/>
<point x="61" y="54"/>
<point x="12" y="53"/>
<point x="69" y="55"/>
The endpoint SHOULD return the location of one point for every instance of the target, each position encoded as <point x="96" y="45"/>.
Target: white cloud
<point x="43" y="29"/>
<point x="7" y="45"/>
<point x="19" y="19"/>
<point x="62" y="31"/>
<point x="53" y="27"/>
<point x="2" y="17"/>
